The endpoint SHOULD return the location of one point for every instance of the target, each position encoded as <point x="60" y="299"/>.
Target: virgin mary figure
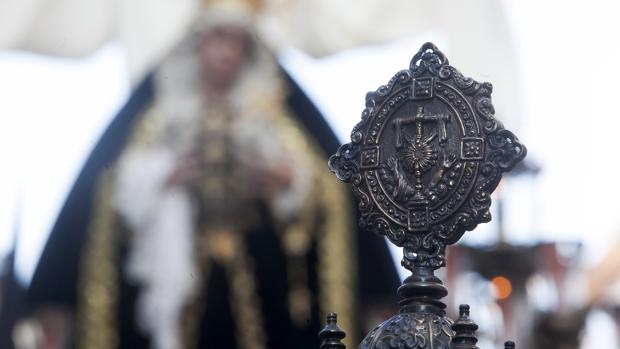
<point x="206" y="216"/>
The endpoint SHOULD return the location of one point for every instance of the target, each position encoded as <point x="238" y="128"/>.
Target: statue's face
<point x="223" y="51"/>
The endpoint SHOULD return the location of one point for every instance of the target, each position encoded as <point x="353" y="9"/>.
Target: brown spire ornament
<point x="423" y="162"/>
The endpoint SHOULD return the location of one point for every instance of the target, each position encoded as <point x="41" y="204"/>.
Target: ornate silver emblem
<point x="425" y="158"/>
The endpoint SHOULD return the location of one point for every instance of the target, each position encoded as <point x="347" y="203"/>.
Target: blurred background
<point x="545" y="270"/>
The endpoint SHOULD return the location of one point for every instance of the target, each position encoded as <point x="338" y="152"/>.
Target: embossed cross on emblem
<point x="441" y="119"/>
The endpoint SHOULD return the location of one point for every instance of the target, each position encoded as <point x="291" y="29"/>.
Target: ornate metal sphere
<point x="411" y="331"/>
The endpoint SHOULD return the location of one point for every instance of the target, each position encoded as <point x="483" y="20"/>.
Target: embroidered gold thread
<point x="193" y="311"/>
<point x="296" y="241"/>
<point x="336" y="242"/>
<point x="97" y="326"/>
<point x="336" y="257"/>
<point x="245" y="303"/>
<point x="97" y="289"/>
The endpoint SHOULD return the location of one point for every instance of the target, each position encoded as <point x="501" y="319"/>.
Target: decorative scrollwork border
<point x="494" y="149"/>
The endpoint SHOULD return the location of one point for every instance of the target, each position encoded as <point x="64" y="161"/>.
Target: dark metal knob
<point x="331" y="335"/>
<point x="464" y="330"/>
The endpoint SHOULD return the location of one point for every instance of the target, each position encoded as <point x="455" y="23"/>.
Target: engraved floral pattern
<point x="410" y="331"/>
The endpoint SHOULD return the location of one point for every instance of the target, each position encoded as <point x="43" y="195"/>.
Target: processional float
<point x="423" y="162"/>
